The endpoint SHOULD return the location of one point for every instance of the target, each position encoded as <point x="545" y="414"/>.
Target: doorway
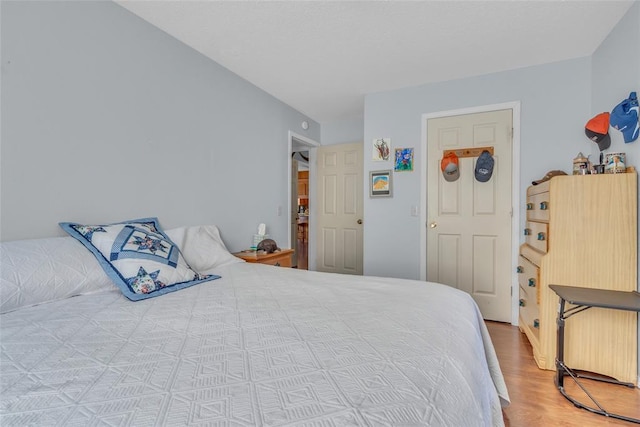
<point x="339" y="208"/>
<point x="470" y="234"/>
<point x="300" y="197"/>
<point x="300" y="180"/>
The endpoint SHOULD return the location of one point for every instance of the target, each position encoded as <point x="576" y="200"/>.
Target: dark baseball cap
<point x="484" y="166"/>
<point x="597" y="130"/>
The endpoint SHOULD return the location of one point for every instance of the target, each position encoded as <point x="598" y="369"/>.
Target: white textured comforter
<point x="262" y="346"/>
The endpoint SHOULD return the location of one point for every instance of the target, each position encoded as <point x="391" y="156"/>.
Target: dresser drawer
<point x="536" y="235"/>
<point x="538" y="207"/>
<point x="279" y="261"/>
<point x="281" y="258"/>
<point x="529" y="311"/>
<point x="529" y="279"/>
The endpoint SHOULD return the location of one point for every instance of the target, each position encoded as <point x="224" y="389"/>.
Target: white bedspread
<point x="262" y="346"/>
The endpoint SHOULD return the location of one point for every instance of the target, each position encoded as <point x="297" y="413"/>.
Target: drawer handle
<point x="543" y="206"/>
<point x="521" y="303"/>
<point x="527" y="231"/>
<point x="532" y="282"/>
<point x="536" y="323"/>
<point x="519" y="269"/>
<point x="541" y="236"/>
<point x="529" y="206"/>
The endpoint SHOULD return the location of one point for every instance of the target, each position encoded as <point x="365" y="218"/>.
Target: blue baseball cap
<point x="624" y="118"/>
<point x="484" y="167"/>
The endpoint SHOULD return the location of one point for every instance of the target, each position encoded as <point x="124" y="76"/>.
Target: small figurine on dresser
<point x="548" y="176"/>
<point x="581" y="165"/>
<point x="268" y="245"/>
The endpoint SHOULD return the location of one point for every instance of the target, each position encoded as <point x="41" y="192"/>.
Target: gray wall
<point x="616" y="72"/>
<point x="343" y="131"/>
<point x="106" y="118"/>
<point x="555" y="105"/>
<point x="556" y="102"/>
<point x="615" y="68"/>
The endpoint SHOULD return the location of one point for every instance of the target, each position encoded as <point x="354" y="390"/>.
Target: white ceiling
<point x="322" y="57"/>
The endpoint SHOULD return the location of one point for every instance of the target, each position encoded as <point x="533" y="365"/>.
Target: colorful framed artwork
<point x="404" y="160"/>
<point x="381" y="149"/>
<point x="380" y="184"/>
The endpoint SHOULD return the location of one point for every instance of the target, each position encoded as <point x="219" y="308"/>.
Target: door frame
<point x="311" y="144"/>
<point x="515" y="190"/>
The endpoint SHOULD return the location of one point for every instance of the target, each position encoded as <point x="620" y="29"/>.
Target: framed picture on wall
<point x="380" y="183"/>
<point x="404" y="160"/>
<point x="381" y="149"/>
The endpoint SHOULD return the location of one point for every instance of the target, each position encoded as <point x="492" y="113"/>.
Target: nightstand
<point x="281" y="258"/>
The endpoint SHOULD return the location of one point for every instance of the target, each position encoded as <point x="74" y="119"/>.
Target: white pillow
<point x="202" y="247"/>
<point x="41" y="270"/>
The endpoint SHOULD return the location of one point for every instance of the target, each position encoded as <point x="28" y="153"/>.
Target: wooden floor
<point x="535" y="401"/>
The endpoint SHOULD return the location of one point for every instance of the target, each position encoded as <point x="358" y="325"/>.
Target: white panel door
<point x="340" y="208"/>
<point x="469" y="222"/>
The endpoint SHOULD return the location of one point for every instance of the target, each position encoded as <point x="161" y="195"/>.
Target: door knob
<point x="433" y="225"/>
<point x="359" y="221"/>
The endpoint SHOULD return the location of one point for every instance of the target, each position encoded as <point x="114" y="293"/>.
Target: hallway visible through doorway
<point x="301" y="210"/>
<point x="302" y="219"/>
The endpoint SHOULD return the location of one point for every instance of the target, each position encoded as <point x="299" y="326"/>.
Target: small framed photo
<point x="380" y="184"/>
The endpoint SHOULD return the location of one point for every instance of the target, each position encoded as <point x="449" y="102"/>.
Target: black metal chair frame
<point x="584" y="299"/>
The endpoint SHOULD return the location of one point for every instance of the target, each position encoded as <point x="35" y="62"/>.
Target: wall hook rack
<point x="468" y="152"/>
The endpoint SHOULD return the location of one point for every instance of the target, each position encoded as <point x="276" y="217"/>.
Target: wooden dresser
<point x="581" y="231"/>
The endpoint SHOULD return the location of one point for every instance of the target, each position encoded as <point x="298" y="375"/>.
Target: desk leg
<point x="560" y="367"/>
<point x="562" y="370"/>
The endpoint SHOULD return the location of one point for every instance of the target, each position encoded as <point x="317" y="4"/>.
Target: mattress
<point x="261" y="346"/>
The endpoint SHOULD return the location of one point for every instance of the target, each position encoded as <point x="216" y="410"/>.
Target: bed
<point x="257" y="346"/>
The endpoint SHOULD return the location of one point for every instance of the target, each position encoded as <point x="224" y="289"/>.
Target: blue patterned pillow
<point x="138" y="256"/>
